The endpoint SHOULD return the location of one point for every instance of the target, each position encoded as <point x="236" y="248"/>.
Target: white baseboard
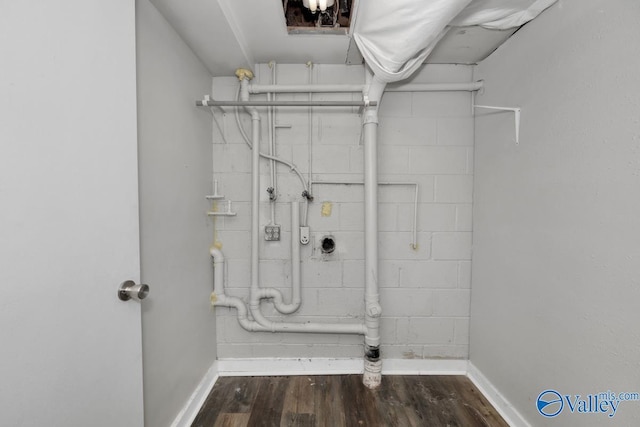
<point x="288" y="366"/>
<point x="321" y="366"/>
<point x="499" y="402"/>
<point x="424" y="367"/>
<point x="195" y="402"/>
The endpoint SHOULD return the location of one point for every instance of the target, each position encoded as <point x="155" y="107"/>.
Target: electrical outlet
<point x="304" y="235"/>
<point x="272" y="232"/>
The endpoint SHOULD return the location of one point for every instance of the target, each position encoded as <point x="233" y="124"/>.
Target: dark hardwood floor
<point x="342" y="400"/>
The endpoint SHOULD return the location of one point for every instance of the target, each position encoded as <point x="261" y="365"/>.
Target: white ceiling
<point x="227" y="34"/>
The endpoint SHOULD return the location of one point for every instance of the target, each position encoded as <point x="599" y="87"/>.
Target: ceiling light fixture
<point x="314" y="5"/>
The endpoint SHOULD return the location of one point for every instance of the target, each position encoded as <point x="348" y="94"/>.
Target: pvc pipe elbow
<point x="287" y="308"/>
<point x="216" y="254"/>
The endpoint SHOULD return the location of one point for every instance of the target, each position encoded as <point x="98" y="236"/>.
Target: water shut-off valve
<point x="272" y="194"/>
<point x="307" y="195"/>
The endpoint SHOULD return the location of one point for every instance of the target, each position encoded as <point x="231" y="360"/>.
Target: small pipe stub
<point x="307" y="195"/>
<point x="243" y="73"/>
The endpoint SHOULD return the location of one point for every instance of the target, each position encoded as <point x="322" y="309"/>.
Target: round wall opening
<point x="327" y="244"/>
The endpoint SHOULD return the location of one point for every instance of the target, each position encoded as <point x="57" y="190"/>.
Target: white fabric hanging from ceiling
<point x="396" y="36"/>
<point x="500" y="14"/>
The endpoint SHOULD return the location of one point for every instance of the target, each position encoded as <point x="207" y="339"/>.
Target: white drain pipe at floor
<point x="372" y="362"/>
<point x="371" y="326"/>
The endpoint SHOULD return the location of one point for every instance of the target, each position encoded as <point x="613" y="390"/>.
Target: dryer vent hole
<point x="327" y="245"/>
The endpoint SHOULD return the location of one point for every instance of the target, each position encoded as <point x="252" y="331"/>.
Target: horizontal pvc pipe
<point x="436" y="87"/>
<point x="277" y="103"/>
<point x="338" y="88"/>
<point x="218" y="298"/>
<point x="308" y="327"/>
<point x="303" y="88"/>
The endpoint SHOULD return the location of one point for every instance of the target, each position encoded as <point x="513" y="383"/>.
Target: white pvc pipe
<point x="272" y="150"/>
<point x="372" y="298"/>
<point x="257" y="293"/>
<point x="214" y="103"/>
<point x="372" y="363"/>
<point x="261" y="324"/>
<point x="373" y="310"/>
<point x="263" y="155"/>
<point x="301" y="88"/>
<point x="316" y="328"/>
<point x="337" y="88"/>
<point x="218" y="270"/>
<point x="255" y="206"/>
<point x="275" y="294"/>
<point x="310" y="147"/>
<point x="218" y="297"/>
<point x="436" y="87"/>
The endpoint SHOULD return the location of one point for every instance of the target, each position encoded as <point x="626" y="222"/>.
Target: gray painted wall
<point x="556" y="271"/>
<point x="68" y="215"/>
<point x="175" y="175"/>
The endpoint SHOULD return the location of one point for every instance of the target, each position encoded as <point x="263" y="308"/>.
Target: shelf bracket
<point x="516" y="112"/>
<point x="209" y="103"/>
<point x="228" y="212"/>
<point x="215" y="195"/>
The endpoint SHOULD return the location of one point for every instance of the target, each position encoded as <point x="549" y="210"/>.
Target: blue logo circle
<point x="549" y="403"/>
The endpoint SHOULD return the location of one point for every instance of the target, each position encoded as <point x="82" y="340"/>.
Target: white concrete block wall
<point x="425" y="138"/>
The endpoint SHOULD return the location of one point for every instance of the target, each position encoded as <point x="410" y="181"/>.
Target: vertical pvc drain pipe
<point x="296" y="298"/>
<point x="255" y="213"/>
<point x="372" y="362"/>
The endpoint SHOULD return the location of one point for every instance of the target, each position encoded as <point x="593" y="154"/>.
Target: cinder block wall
<point x="426" y="138"/>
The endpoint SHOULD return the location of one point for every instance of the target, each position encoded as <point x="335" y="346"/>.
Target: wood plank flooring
<point x="342" y="401"/>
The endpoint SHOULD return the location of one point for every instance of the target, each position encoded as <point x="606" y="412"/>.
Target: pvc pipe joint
<point x="370" y="115"/>
<point x="374" y="309"/>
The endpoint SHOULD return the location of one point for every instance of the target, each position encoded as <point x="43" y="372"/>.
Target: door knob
<point x="129" y="290"/>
